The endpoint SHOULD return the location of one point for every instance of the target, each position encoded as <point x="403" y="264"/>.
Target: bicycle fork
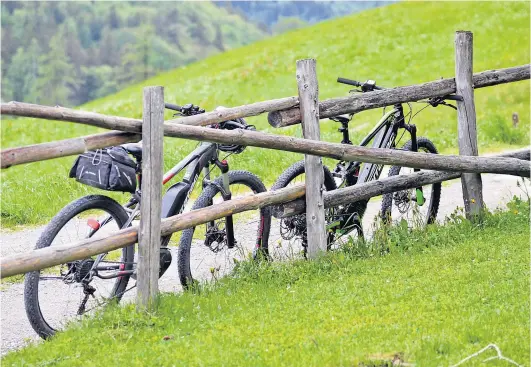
<point x="419" y="195"/>
<point x="226" y="194"/>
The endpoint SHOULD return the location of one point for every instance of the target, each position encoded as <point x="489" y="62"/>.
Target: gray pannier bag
<point x="110" y="169"/>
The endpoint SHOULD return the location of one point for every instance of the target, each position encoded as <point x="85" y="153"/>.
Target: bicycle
<point x="422" y="202"/>
<point x="98" y="280"/>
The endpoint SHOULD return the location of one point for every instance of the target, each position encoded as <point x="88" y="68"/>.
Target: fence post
<point x="309" y="107"/>
<point x="152" y="164"/>
<point x="466" y="115"/>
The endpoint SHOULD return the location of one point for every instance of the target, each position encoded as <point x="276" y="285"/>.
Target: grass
<point x="435" y="297"/>
<point x="401" y="44"/>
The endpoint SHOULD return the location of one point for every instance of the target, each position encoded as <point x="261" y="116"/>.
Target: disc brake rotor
<point x="402" y="201"/>
<point x="215" y="238"/>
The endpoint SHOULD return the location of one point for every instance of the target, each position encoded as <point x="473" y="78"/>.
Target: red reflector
<point x="93" y="223"/>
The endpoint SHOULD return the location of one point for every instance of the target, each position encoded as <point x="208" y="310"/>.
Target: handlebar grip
<point x="349" y="82"/>
<point x="453" y="98"/>
<point x="171" y="106"/>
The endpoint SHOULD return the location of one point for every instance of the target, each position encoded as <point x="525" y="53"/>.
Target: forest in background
<point x="68" y="53"/>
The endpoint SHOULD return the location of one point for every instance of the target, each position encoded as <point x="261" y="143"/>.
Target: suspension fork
<point x="226" y="194"/>
<point x="415" y="148"/>
<point x="206" y="182"/>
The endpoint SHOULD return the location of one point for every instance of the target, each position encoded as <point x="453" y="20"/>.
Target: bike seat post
<point x="344" y="130"/>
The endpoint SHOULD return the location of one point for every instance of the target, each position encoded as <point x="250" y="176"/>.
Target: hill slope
<point x="400" y="44"/>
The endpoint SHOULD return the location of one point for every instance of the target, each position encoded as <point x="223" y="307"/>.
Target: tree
<point x="21" y="77"/>
<point x="96" y="82"/>
<point x="73" y="47"/>
<point x="197" y="29"/>
<point x="107" y="49"/>
<point x="114" y="18"/>
<point x="56" y="74"/>
<point x="136" y="58"/>
<point x="83" y="32"/>
<point x="218" y="40"/>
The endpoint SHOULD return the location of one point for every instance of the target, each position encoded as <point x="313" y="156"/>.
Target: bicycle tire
<point x="297" y="169"/>
<point x="206" y="198"/>
<point x="31" y="282"/>
<point x="435" y="196"/>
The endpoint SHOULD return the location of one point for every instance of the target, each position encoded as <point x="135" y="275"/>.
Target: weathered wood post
<point x="466" y="115"/>
<point x="309" y="107"/>
<point x="152" y="164"/>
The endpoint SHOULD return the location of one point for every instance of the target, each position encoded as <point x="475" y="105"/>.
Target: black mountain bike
<point x="419" y="205"/>
<point x="56" y="295"/>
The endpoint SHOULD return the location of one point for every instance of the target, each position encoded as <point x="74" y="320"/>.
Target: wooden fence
<point x="288" y="201"/>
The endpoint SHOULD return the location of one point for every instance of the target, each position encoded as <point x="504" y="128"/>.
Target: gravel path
<point x="16" y="331"/>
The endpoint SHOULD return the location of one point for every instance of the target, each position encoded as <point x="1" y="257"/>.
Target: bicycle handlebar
<point x="171" y="106"/>
<point x="349" y="82"/>
<point x="367" y="86"/>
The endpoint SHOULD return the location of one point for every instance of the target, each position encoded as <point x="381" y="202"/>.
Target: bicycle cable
<point x="422" y="109"/>
<point x="214" y="166"/>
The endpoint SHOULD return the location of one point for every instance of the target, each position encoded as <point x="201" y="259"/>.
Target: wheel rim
<point x="290" y="239"/>
<point x="405" y="208"/>
<point x="62" y="289"/>
<point x="210" y="256"/>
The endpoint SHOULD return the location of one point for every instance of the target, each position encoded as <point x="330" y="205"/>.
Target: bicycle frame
<point x="204" y="150"/>
<point x="383" y="135"/>
<point x="175" y="199"/>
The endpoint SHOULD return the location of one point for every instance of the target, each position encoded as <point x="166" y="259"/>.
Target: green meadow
<point x="401" y="44"/>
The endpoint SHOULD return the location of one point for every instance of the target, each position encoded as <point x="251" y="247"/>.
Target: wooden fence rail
<point x="55" y="255"/>
<point x="287" y="201"/>
<point x="63" y="148"/>
<point x="285" y="111"/>
<point x="344" y="152"/>
<point x="285" y="198"/>
<point x="381" y="98"/>
<point x="386" y="185"/>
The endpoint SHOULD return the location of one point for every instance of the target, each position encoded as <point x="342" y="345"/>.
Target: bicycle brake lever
<point x="449" y="105"/>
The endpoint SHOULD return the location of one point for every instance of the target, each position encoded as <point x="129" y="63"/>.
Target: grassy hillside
<point x="439" y="296"/>
<point x="400" y="44"/>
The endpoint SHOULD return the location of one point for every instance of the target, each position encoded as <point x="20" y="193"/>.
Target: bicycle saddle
<point x="340" y="118"/>
<point x="135" y="149"/>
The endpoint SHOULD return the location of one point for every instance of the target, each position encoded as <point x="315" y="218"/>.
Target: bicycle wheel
<point x="208" y="257"/>
<point x="292" y="242"/>
<point x="409" y="205"/>
<point x="60" y="294"/>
